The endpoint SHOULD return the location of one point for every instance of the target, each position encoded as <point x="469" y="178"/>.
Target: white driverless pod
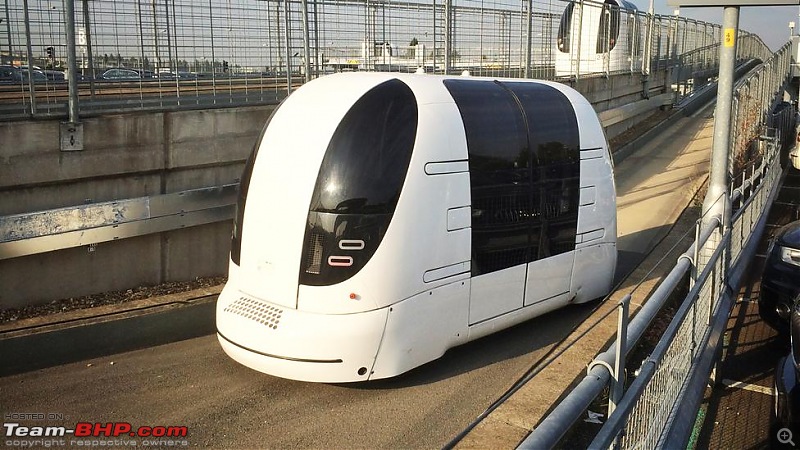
<point x="385" y="218"/>
<point x="595" y="38"/>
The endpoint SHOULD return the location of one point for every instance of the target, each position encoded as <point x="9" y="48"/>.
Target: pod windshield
<point x="359" y="183"/>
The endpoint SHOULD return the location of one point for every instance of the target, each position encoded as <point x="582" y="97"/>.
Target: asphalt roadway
<point x="193" y="383"/>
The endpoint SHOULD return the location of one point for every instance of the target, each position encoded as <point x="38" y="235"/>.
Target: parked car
<point x="780" y="281"/>
<point x="55" y="75"/>
<point x="38" y="74"/>
<point x="9" y="74"/>
<point x="786" y="389"/>
<point x="118" y="74"/>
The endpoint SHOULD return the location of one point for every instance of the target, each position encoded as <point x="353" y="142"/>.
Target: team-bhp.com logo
<point x="93" y="434"/>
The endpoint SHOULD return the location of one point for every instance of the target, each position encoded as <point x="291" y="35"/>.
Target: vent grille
<point x="314" y="256"/>
<point x="255" y="310"/>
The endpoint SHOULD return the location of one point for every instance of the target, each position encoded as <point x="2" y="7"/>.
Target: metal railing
<point x="673" y="376"/>
<point x="151" y="54"/>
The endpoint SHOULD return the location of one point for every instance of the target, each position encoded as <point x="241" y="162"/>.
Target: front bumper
<point x="298" y="345"/>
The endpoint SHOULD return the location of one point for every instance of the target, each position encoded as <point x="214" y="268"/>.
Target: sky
<point x="769" y="22"/>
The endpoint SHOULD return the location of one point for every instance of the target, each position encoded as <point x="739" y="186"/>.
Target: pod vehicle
<point x="384" y="218"/>
<point x="599" y="38"/>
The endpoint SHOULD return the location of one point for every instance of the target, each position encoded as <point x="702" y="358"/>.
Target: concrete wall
<point x="615" y="91"/>
<point x="143" y="154"/>
<point x="124" y="156"/>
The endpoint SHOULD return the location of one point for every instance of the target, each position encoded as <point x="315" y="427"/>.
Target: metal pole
<point x="447" y="35"/>
<point x="155" y="38"/>
<point x="169" y="42"/>
<point x="213" y="56"/>
<point x="87" y="26"/>
<point x="317" y="60"/>
<point x="306" y="47"/>
<point x="618" y="382"/>
<point x="717" y="198"/>
<point x="581" y="11"/>
<point x="31" y="88"/>
<point x="528" y="32"/>
<point x="72" y="64"/>
<point x="434" y="35"/>
<point x="175" y="36"/>
<point x="8" y="32"/>
<point x="288" y="47"/>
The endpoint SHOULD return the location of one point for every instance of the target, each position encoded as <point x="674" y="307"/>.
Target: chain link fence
<point x="156" y="54"/>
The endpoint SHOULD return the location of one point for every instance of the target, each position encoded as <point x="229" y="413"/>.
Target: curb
<point x="78" y="335"/>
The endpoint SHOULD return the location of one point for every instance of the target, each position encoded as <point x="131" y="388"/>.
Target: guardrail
<point x="87" y="225"/>
<point x="673" y="377"/>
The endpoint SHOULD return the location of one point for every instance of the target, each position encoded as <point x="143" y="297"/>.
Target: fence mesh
<point x="166" y="53"/>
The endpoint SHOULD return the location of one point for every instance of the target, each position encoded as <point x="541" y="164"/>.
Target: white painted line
<point x="747" y="386"/>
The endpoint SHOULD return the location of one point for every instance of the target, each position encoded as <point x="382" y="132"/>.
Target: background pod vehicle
<point x="384" y="218"/>
<point x="599" y="38"/>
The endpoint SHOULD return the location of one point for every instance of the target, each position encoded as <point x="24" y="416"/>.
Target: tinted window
<point x="555" y="147"/>
<point x="565" y="29"/>
<point x="523" y="146"/>
<point x="367" y="159"/>
<point x="499" y="163"/>
<point x="609" y="27"/>
<point x="359" y="183"/>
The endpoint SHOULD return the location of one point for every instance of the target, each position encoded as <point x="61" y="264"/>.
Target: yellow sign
<point x="730" y="37"/>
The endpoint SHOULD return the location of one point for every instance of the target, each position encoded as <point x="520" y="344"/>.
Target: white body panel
<point x="415" y="297"/>
<point x="497" y="293"/>
<point x="548" y="280"/>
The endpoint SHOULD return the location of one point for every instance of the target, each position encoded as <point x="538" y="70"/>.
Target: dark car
<point x="55" y="75"/>
<point x="780" y="281"/>
<point x="786" y="396"/>
<point x="38" y="75"/>
<point x="9" y="73"/>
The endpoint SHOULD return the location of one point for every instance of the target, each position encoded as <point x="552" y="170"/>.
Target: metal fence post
<point x="647" y="59"/>
<point x="90" y="58"/>
<point x="581" y="10"/>
<point x="306" y="46"/>
<point x="529" y="37"/>
<point x="31" y="87"/>
<point x="287" y="38"/>
<point x="213" y="55"/>
<point x="618" y="382"/>
<point x="448" y="34"/>
<point x="72" y="65"/>
<point x="8" y="32"/>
